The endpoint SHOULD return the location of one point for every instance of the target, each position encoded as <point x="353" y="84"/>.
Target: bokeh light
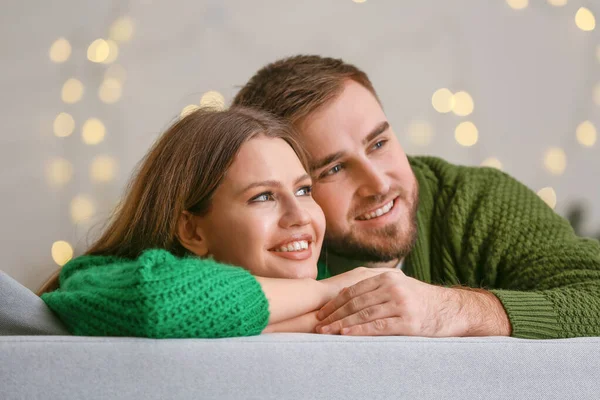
<point x="59" y="172"/>
<point x="463" y="104"/>
<point x="548" y="195"/>
<point x="557" y="3"/>
<point x="72" y="91"/>
<point x="64" y="125"/>
<point x="82" y="208"/>
<point x="586" y="134"/>
<point x="466" y="134"/>
<point x="492" y="162"/>
<point x="110" y="91"/>
<point x="98" y="51"/>
<point x="187" y="110"/>
<point x="121" y="30"/>
<point x="585" y="20"/>
<point x="60" y="51"/>
<point x="442" y="100"/>
<point x="93" y="131"/>
<point x="420" y="133"/>
<point x="517" y="4"/>
<point x="103" y="168"/>
<point x="61" y="252"/>
<point x="213" y="100"/>
<point x="113" y="52"/>
<point x="555" y="160"/>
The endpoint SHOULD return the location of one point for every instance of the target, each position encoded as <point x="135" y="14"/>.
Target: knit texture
<point x="158" y="296"/>
<point x="481" y="228"/>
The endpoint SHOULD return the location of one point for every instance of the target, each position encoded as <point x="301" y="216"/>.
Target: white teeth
<point x="379" y="212"/>
<point x="294" y="246"/>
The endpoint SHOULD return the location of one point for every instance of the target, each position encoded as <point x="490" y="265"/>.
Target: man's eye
<point x="333" y="170"/>
<point x="304" y="191"/>
<point x="379" y="144"/>
<point x="262" y="197"/>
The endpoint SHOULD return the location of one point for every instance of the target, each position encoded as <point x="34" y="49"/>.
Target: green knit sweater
<point x="476" y="227"/>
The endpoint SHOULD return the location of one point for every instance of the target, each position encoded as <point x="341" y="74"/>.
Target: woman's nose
<point x="294" y="214"/>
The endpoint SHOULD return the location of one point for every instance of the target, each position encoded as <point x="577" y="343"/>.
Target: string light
<point x="110" y="91"/>
<point x="212" y="99"/>
<point x="555" y="160"/>
<point x="72" y="91"/>
<point x="61" y="252"/>
<point x="98" y="51"/>
<point x="492" y="163"/>
<point x="121" y="30"/>
<point x="60" y="51"/>
<point x="463" y="104"/>
<point x="517" y="4"/>
<point x="443" y="100"/>
<point x="59" y="172"/>
<point x="420" y="133"/>
<point x="466" y="134"/>
<point x="548" y="195"/>
<point x="103" y="168"/>
<point x="82" y="208"/>
<point x="64" y="124"/>
<point x="93" y="131"/>
<point x="586" y="134"/>
<point x="585" y="20"/>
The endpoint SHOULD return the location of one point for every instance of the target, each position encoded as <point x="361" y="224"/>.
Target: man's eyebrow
<point x="379" y="129"/>
<point x="272" y="183"/>
<point x="326" y="160"/>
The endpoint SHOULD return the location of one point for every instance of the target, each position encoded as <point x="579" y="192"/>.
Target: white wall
<point x="530" y="72"/>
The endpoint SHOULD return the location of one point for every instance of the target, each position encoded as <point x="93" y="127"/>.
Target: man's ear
<point x="190" y="234"/>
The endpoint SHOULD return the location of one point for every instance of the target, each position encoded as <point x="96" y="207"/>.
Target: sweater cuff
<point x="531" y="314"/>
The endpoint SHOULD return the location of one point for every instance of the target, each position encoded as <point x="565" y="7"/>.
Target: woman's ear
<point x="190" y="234"/>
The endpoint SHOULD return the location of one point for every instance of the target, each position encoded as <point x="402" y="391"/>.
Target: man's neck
<point x="337" y="264"/>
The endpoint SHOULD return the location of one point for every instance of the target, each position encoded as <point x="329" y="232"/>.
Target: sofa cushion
<point x="298" y="366"/>
<point x="24" y="313"/>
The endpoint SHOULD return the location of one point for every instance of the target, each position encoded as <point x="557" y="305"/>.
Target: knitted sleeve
<point x="158" y="296"/>
<point x="510" y="241"/>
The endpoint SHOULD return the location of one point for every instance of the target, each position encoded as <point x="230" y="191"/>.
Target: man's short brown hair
<point x="294" y="87"/>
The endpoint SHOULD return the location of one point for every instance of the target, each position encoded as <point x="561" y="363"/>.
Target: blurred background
<point x="87" y="86"/>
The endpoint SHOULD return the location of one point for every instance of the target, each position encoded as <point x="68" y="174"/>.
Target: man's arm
<point x="542" y="277"/>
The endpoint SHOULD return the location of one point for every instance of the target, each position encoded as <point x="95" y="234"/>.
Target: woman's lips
<point x="295" y="255"/>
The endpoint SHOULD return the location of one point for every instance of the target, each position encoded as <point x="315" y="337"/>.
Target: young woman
<point x="217" y="218"/>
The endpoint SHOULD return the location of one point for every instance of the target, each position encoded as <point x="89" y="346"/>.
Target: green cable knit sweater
<point x="476" y="227"/>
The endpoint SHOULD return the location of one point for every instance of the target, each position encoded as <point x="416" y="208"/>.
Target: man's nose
<point x="294" y="214"/>
<point x="373" y="181"/>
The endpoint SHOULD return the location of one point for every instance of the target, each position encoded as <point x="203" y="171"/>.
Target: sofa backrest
<point x="24" y="313"/>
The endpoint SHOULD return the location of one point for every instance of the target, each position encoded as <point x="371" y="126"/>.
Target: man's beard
<point x="390" y="241"/>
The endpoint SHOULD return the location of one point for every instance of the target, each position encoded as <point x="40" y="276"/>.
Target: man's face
<point x="361" y="178"/>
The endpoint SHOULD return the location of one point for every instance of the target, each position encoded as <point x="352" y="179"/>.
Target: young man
<point x="450" y="231"/>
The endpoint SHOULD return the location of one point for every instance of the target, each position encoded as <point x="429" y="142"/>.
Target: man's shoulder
<point x="444" y="174"/>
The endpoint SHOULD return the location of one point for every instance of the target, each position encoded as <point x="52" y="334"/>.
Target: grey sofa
<point x="39" y="360"/>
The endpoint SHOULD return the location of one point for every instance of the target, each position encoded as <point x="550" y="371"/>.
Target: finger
<point x="365" y="315"/>
<point x="379" y="327"/>
<point x="347" y="294"/>
<point x="355" y="305"/>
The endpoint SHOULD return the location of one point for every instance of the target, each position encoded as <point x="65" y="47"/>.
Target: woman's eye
<point x="262" y="197"/>
<point x="304" y="191"/>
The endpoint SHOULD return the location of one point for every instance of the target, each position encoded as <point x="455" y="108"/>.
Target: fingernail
<point x="344" y="331"/>
<point x="320" y="315"/>
<point x="325" y="329"/>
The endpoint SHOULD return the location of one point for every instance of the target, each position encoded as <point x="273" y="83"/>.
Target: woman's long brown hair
<point x="181" y="172"/>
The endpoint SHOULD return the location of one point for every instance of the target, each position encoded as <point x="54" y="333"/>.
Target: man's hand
<point x="393" y="304"/>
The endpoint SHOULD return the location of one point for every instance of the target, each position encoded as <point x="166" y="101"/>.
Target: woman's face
<point x="262" y="216"/>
